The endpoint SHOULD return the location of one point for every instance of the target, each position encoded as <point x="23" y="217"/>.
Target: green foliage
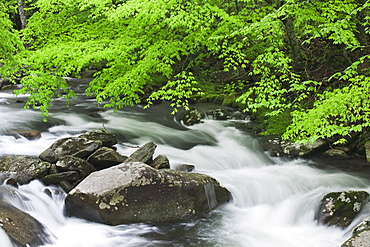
<point x="10" y="43"/>
<point x="305" y="57"/>
<point x="339" y="112"/>
<point x="179" y="90"/>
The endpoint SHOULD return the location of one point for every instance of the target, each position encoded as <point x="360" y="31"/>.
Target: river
<point x="274" y="199"/>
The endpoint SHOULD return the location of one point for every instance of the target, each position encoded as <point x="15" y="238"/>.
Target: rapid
<point x="274" y="199"/>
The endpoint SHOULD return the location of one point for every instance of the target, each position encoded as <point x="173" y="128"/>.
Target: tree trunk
<point x="22" y="14"/>
<point x="362" y="36"/>
<point x="294" y="44"/>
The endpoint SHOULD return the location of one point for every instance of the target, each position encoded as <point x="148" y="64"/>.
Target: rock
<point x="66" y="186"/>
<point x="56" y="179"/>
<point x="105" y="157"/>
<point x="22" y="228"/>
<point x="278" y="148"/>
<point x="360" y="240"/>
<point x="185" y="168"/>
<point x="191" y="117"/>
<point x="303" y="149"/>
<point x="367" y="150"/>
<point x="135" y="192"/>
<point x="108" y="139"/>
<point x="28" y="134"/>
<point x="73" y="146"/>
<point x="340" y="208"/>
<point x="360" y="235"/>
<point x="143" y="154"/>
<point x="272" y="145"/>
<point x="25" y="168"/>
<point x="160" y="162"/>
<point x="70" y="163"/>
<point x="219" y="114"/>
<point x="335" y="153"/>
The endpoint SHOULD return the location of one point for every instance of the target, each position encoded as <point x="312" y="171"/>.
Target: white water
<point x="274" y="204"/>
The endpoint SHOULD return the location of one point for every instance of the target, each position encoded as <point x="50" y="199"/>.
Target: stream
<point x="274" y="199"/>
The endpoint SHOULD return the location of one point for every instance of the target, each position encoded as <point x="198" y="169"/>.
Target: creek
<point x="274" y="199"/>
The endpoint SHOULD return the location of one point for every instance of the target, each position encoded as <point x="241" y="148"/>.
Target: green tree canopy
<point x="307" y="60"/>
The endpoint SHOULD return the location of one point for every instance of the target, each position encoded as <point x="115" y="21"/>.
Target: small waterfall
<point x="209" y="189"/>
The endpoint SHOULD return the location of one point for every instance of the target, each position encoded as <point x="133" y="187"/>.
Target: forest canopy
<point x="301" y="66"/>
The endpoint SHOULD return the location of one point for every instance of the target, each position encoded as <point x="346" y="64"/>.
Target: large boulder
<point x="72" y="146"/>
<point x="340" y="208"/>
<point x="135" y="192"/>
<point x="22" y="228"/>
<point x="24" y="168"/>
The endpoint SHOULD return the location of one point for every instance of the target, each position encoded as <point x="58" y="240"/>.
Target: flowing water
<point x="274" y="199"/>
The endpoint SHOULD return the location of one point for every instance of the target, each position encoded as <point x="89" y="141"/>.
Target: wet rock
<point x="360" y="240"/>
<point x="191" y="117"/>
<point x="160" y="162"/>
<point x="73" y="146"/>
<point x="105" y="157"/>
<point x="185" y="168"/>
<point x="340" y="208"/>
<point x="22" y="228"/>
<point x="143" y="154"/>
<point x="360" y="235"/>
<point x="219" y="114"/>
<point x="66" y="186"/>
<point x="336" y="153"/>
<point x="70" y="163"/>
<point x="57" y="178"/>
<point x="107" y="139"/>
<point x="135" y="192"/>
<point x="279" y="148"/>
<point x="28" y="134"/>
<point x="24" y="168"/>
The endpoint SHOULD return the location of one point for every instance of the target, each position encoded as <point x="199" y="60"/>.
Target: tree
<point x="282" y="58"/>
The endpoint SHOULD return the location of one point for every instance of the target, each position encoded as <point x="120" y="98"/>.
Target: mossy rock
<point x="340" y="208"/>
<point x="134" y="192"/>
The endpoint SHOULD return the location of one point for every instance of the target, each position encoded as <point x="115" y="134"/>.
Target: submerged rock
<point x="340" y="208"/>
<point x="22" y="228"/>
<point x="185" y="167"/>
<point x="135" y="192"/>
<point x="28" y="134"/>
